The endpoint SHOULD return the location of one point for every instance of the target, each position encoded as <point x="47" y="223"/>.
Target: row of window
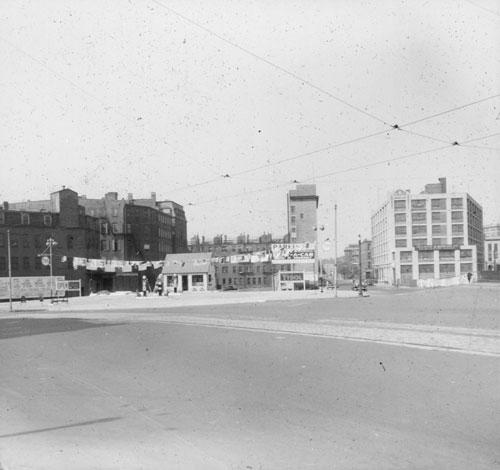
<point x="403" y="243"/>
<point x="15" y="261"/>
<point x="421" y="204"/>
<point x="249" y="281"/>
<point x="425" y="255"/>
<point x="456" y="229"/>
<point x="25" y="219"/>
<point x="444" y="268"/>
<point x="25" y="240"/>
<point x="421" y="217"/>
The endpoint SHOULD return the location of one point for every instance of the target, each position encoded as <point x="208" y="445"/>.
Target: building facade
<point x="235" y="267"/>
<point x="427" y="236"/>
<point x="107" y="230"/>
<point x="491" y="247"/>
<point x="302" y="206"/>
<point x="32" y="224"/>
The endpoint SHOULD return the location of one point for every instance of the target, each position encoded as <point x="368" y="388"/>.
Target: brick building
<point x="108" y="229"/>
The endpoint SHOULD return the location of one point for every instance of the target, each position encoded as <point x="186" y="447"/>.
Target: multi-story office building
<point x="491" y="247"/>
<point x="431" y="235"/>
<point x="302" y="205"/>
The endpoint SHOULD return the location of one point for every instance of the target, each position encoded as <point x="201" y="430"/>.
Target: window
<point x="426" y="255"/>
<point x="234" y="269"/>
<point x="457" y="241"/>
<point x="2" y="217"/>
<point x="400" y="230"/>
<point x="69" y="241"/>
<point x="14" y="262"/>
<point x="224" y="269"/>
<point x="114" y="227"/>
<point x="457" y="229"/>
<point x="25" y="218"/>
<point x="38" y="262"/>
<point x="2" y="239"/>
<point x="293" y="219"/>
<point x="38" y="241"/>
<point x="465" y="254"/>
<point x="419" y="241"/>
<point x="26" y="263"/>
<point x="465" y="268"/>
<point x="457" y="203"/>
<point x="419" y="230"/>
<point x="399" y="205"/>
<point x="426" y="269"/>
<point x="114" y="211"/>
<point x="47" y="220"/>
<point x="439" y="230"/>
<point x="104" y="228"/>
<point x="447" y="254"/>
<point x="406" y="269"/>
<point x="292" y="209"/>
<point x="457" y="216"/>
<point x="406" y="256"/>
<point x="439" y="217"/>
<point x="3" y="264"/>
<point x="401" y="243"/>
<point x="418" y="204"/>
<point x="400" y="218"/>
<point x="104" y="245"/>
<point x="439" y="241"/>
<point x="419" y="217"/>
<point x="301" y="215"/>
<point x="438" y="204"/>
<point x="115" y="245"/>
<point x="447" y="269"/>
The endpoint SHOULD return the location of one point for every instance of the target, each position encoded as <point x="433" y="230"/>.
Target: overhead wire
<point x="268" y="62"/>
<point x="346" y="170"/>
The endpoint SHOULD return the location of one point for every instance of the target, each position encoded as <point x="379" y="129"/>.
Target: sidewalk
<point x="129" y="300"/>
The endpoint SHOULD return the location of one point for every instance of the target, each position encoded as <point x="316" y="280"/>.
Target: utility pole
<point x="335" y="266"/>
<point x="50" y="243"/>
<point x="10" y="271"/>
<point x="360" y="289"/>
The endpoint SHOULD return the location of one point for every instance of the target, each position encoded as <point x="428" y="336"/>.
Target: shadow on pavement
<point x="15" y="328"/>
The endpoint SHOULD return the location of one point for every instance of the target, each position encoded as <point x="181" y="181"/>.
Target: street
<point x="397" y="380"/>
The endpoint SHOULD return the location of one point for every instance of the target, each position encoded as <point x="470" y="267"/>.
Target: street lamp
<point x="49" y="244"/>
<point x="316" y="252"/>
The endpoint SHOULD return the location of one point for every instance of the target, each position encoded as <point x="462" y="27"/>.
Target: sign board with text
<point x="29" y="287"/>
<point x="283" y="253"/>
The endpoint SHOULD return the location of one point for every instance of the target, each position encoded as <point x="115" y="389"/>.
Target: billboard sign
<point x="292" y="253"/>
<point x="29" y="287"/>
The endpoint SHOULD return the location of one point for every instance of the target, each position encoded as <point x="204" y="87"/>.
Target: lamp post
<point x="360" y="289"/>
<point x="50" y="243"/>
<point x="316" y="252"/>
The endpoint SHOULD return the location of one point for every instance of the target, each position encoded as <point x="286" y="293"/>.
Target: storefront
<point x="187" y="272"/>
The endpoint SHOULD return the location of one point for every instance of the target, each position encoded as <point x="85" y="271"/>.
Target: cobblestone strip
<point x="482" y="342"/>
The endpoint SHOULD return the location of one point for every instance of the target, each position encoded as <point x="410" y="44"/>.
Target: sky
<point x="224" y="106"/>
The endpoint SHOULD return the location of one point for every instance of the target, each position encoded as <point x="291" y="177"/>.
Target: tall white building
<point x="431" y="235"/>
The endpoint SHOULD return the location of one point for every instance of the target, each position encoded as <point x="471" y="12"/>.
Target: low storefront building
<point x="188" y="272"/>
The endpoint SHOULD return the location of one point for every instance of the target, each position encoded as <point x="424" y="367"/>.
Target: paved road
<point x="231" y="387"/>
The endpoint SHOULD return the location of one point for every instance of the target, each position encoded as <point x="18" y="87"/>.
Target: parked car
<point x="229" y="288"/>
